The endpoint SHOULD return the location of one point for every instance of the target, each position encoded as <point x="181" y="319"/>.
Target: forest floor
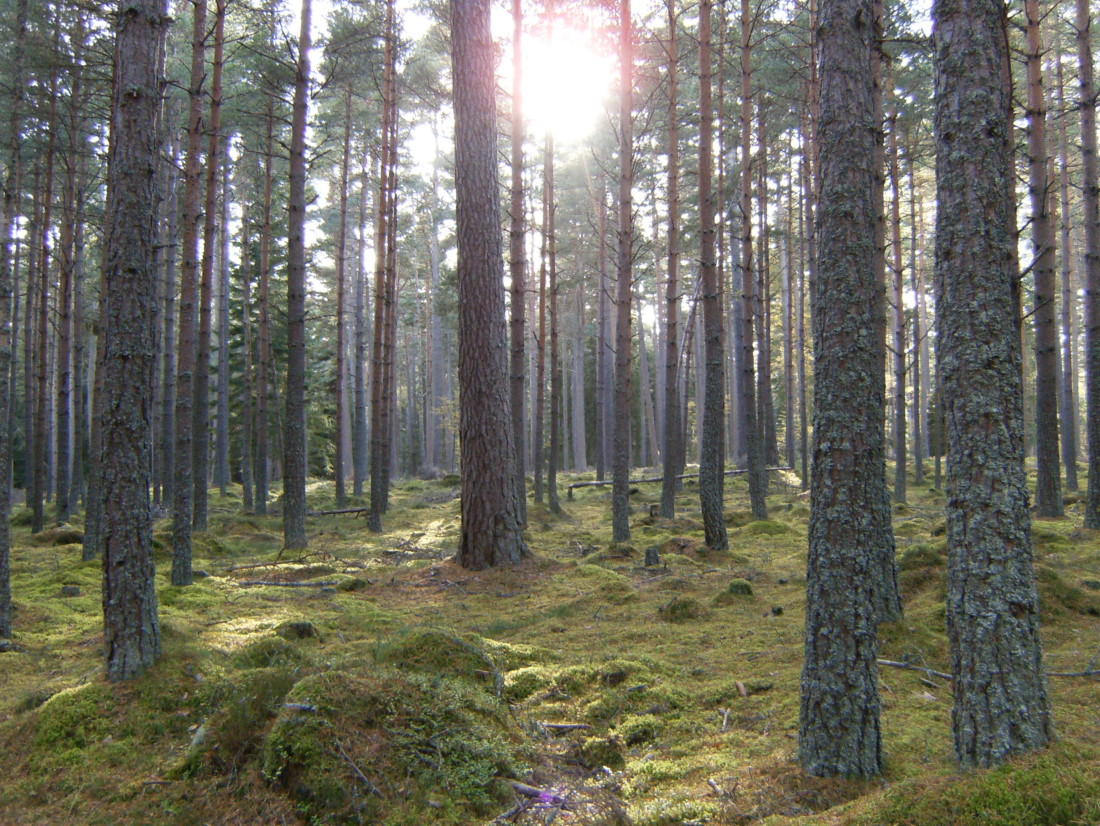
<point x="372" y="681"/>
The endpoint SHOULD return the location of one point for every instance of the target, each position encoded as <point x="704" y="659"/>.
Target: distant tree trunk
<point x="651" y="448"/>
<point x="555" y="348"/>
<point x="787" y="303"/>
<point x="603" y="343"/>
<point x="673" y="457"/>
<point x="39" y="466"/>
<point x="765" y="399"/>
<point x="754" y="448"/>
<point x="919" y="367"/>
<point x="221" y="430"/>
<point x="382" y="355"/>
<point x="580" y="447"/>
<point x="898" y="315"/>
<point x="1069" y="412"/>
<point x="77" y="485"/>
<point x="491" y="530"/>
<point x="294" y="440"/>
<point x="359" y="440"/>
<point x="131" y="629"/>
<point x="12" y="194"/>
<point x="185" y="363"/>
<point x="168" y="340"/>
<point x="248" y="399"/>
<point x="1090" y="196"/>
<point x="264" y="374"/>
<point x="1048" y="484"/>
<point x="620" y="503"/>
<point x="341" y="303"/>
<point x="713" y="453"/>
<point x="540" y="362"/>
<point x="1000" y="700"/>
<point x="517" y="264"/>
<point x="839" y="731"/>
<point x="200" y="440"/>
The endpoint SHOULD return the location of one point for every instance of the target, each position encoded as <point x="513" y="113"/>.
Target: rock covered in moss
<point x="379" y="743"/>
<point x="680" y="609"/>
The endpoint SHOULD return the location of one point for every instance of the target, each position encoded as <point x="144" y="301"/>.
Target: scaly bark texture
<point x="12" y="186"/>
<point x="1048" y="483"/>
<point x="712" y="453"/>
<point x="131" y="630"/>
<point x="839" y="731"/>
<point x="1090" y="196"/>
<point x="1000" y="699"/>
<point x="751" y="435"/>
<point x="183" y="463"/>
<point x="294" y="440"/>
<point x="673" y="432"/>
<point x="620" y="455"/>
<point x="517" y="263"/>
<point x="491" y="530"/>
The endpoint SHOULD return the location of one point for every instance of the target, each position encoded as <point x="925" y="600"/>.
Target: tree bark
<point x="1048" y="483"/>
<point x="839" y="732"/>
<point x="712" y="457"/>
<point x="200" y="423"/>
<point x="754" y="447"/>
<point x="294" y="439"/>
<point x="131" y="629"/>
<point x="1000" y="700"/>
<point x="341" y="303"/>
<point x="1090" y="196"/>
<point x="183" y="465"/>
<point x="517" y="263"/>
<point x="491" y="530"/>
<point x="620" y="504"/>
<point x="897" y="282"/>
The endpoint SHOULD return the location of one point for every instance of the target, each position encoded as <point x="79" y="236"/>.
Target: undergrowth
<point x="370" y="680"/>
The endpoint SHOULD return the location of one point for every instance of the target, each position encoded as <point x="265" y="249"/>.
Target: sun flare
<point x="566" y="80"/>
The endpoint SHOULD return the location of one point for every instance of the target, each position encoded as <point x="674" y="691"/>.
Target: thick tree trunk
<point x="839" y="731"/>
<point x="620" y="459"/>
<point x="183" y="464"/>
<point x="491" y="531"/>
<point x="131" y="631"/>
<point x="294" y="440"/>
<point x="1000" y="700"/>
<point x="713" y="453"/>
<point x="1048" y="483"/>
<point x="1068" y="404"/>
<point x="168" y="339"/>
<point x="221" y="417"/>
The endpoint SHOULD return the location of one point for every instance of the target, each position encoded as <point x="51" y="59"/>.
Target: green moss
<point x="74" y="719"/>
<point x="1056" y="593"/>
<point x="923" y="555"/>
<point x="437" y="652"/>
<point x="269" y="651"/>
<point x="739" y="587"/>
<point x="640" y="728"/>
<point x="680" y="609"/>
<point x="602" y="751"/>
<point x="364" y="747"/>
<point x="764" y="527"/>
<point x="1058" y="787"/>
<point x="612" y="586"/>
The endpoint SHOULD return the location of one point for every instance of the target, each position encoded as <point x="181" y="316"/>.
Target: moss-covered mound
<point x="381" y="746"/>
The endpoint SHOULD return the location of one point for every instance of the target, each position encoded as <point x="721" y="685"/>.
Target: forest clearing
<point x="625" y="694"/>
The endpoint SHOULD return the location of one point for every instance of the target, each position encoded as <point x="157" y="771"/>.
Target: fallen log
<point x="654" y="479"/>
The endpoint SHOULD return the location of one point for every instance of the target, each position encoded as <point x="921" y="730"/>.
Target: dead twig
<point x="326" y="584"/>
<point x="910" y="667"/>
<point x="358" y="772"/>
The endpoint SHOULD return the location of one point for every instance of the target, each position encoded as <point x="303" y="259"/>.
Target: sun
<point x="566" y="80"/>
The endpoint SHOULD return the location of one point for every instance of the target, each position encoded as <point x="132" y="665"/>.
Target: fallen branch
<point x="339" y="512"/>
<point x="253" y="565"/>
<point x="325" y="584"/>
<point x="654" y="479"/>
<point x="359" y="773"/>
<point x="1092" y="672"/>
<point x="565" y="727"/>
<point x="910" y="667"/>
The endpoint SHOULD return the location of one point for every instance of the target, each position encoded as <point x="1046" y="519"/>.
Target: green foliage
<point x="354" y="747"/>
<point x="680" y="609"/>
